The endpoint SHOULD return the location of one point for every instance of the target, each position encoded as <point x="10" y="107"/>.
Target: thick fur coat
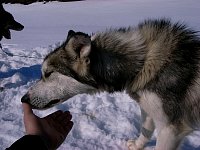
<point x="156" y="63"/>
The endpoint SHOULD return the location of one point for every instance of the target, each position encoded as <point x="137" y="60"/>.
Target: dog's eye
<point x="47" y="74"/>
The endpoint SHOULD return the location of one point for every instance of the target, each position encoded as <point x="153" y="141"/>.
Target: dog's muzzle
<point x="26" y="99"/>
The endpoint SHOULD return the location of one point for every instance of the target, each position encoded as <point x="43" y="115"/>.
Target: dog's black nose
<point x="25" y="98"/>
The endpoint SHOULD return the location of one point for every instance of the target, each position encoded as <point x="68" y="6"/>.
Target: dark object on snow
<point x="7" y="23"/>
<point x="1" y="89"/>
<point x="26" y="2"/>
<point x="30" y="142"/>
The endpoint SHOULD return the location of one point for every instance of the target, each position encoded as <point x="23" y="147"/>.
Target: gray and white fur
<point x="157" y="63"/>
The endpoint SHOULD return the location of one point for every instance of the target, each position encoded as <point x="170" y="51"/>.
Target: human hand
<point x="53" y="128"/>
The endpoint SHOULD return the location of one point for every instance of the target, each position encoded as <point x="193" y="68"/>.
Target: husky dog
<point x="7" y="23"/>
<point x="157" y="63"/>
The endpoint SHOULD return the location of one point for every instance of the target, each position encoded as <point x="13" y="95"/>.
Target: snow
<point x="102" y="121"/>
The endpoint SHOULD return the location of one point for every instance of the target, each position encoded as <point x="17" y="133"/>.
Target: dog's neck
<point x="113" y="68"/>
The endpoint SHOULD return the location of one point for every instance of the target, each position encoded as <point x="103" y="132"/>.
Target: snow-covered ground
<point x="103" y="121"/>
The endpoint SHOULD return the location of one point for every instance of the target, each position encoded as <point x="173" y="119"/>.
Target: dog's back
<point x="165" y="59"/>
<point x="177" y="78"/>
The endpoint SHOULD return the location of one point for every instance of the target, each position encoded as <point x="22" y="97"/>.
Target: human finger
<point x="65" y="116"/>
<point x="54" y="115"/>
<point x="68" y="115"/>
<point x="67" y="128"/>
<point x="27" y="108"/>
<point x="64" y="127"/>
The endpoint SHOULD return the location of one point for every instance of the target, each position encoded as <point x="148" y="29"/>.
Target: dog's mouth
<point x="16" y="26"/>
<point x="52" y="103"/>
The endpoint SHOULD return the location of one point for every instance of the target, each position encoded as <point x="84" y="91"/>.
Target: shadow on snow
<point x="26" y="74"/>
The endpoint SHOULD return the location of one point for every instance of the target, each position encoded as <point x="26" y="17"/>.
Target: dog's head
<point x="7" y="23"/>
<point x="65" y="73"/>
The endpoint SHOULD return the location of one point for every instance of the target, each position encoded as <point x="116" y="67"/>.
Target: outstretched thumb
<point x="27" y="109"/>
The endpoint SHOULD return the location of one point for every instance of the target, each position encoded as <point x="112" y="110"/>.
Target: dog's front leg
<point x="145" y="135"/>
<point x="170" y="136"/>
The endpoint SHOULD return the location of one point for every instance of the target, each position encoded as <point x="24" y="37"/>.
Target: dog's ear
<point x="85" y="51"/>
<point x="78" y="45"/>
<point x="70" y="34"/>
<point x="83" y="46"/>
